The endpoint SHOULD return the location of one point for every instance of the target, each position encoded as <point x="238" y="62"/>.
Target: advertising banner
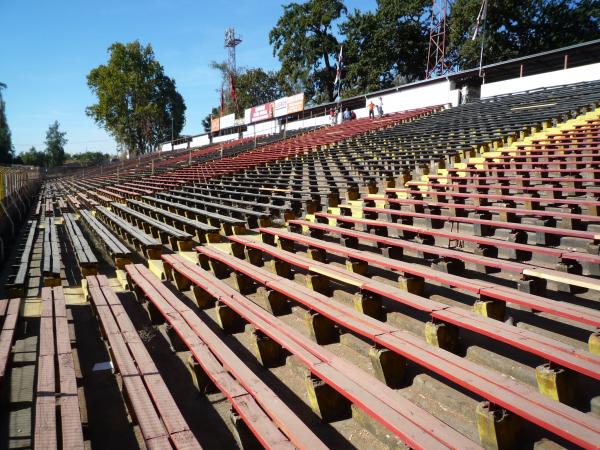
<point x="295" y="103"/>
<point x="214" y="124"/>
<point x="281" y="107"/>
<point x="227" y="121"/>
<point x="261" y="112"/>
<point x="248" y="116"/>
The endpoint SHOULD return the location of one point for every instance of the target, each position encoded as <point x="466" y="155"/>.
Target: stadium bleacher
<point x="428" y="279"/>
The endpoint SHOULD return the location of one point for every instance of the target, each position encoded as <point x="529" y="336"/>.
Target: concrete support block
<point x="269" y="239"/>
<point x="318" y="283"/>
<point x="498" y="428"/>
<point x="369" y="304"/>
<point x="594" y="343"/>
<point x="267" y="351"/>
<point x="411" y="283"/>
<point x="238" y="250"/>
<point x="357" y="266"/>
<point x="254" y="256"/>
<point x="275" y="302"/>
<point x="321" y="328"/>
<point x="244" y="283"/>
<point x="493" y="309"/>
<point x="200" y="379"/>
<point x="228" y="319"/>
<point x="392" y="252"/>
<point x="534" y="286"/>
<point x="218" y="268"/>
<point x="316" y="233"/>
<point x="555" y="382"/>
<point x="349" y="241"/>
<point x="317" y="254"/>
<point x="281" y="268"/>
<point x="285" y="244"/>
<point x="155" y="316"/>
<point x="203" y="299"/>
<point x="388" y="366"/>
<point x="443" y="335"/>
<point x="595" y="406"/>
<point x="175" y="341"/>
<point x="243" y="436"/>
<point x="325" y="401"/>
<point x="182" y="283"/>
<point x="568" y="267"/>
<point x="488" y="252"/>
<point x="450" y="266"/>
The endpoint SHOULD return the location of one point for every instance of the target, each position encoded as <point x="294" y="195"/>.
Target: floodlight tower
<point x="436" y="57"/>
<point x="231" y="42"/>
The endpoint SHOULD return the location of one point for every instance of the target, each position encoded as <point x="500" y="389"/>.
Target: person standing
<point x="346" y="116"/>
<point x="371" y="107"/>
<point x="380" y="107"/>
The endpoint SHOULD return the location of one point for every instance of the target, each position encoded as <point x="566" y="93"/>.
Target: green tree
<point x="55" y="145"/>
<point x="257" y="86"/>
<point x="137" y="103"/>
<point x="518" y="28"/>
<point x="386" y="47"/>
<point x="6" y="147"/>
<point x="304" y="42"/>
<point x="32" y="157"/>
<point x="90" y="158"/>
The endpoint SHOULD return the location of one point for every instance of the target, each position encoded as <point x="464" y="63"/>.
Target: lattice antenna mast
<point x="231" y="42"/>
<point x="436" y="57"/>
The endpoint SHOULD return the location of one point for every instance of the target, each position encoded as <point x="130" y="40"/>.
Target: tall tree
<point x="90" y="158"/>
<point x="137" y="103"/>
<point x="518" y="28"/>
<point x="304" y="42"/>
<point x="6" y="147"/>
<point x="32" y="157"/>
<point x="386" y="47"/>
<point x="55" y="145"/>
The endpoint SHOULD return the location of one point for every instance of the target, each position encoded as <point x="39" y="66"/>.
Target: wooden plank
<point x="7" y="334"/>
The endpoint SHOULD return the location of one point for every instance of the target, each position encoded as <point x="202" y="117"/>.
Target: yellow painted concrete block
<point x="594" y="343"/>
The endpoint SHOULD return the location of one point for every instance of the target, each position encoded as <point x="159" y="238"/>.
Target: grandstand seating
<point x="428" y="279"/>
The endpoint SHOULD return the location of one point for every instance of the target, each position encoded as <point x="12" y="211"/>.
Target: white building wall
<point x="199" y="141"/>
<point x="430" y="94"/>
<point x="227" y="137"/>
<point x="590" y="72"/>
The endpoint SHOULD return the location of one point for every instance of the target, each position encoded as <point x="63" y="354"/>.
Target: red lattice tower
<point x="232" y="40"/>
<point x="436" y="57"/>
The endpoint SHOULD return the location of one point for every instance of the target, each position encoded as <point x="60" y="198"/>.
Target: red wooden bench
<point x="9" y="315"/>
<point x="482" y="289"/>
<point x="268" y="418"/>
<point x="507" y="213"/>
<point x="514" y="396"/>
<point x="152" y="406"/>
<point x="411" y="424"/>
<point x="57" y="420"/>
<point x="550" y="349"/>
<point x="556" y="192"/>
<point x="593" y="206"/>
<point x="590" y="263"/>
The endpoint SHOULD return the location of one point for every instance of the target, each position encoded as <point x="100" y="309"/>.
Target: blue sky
<point x="48" y="47"/>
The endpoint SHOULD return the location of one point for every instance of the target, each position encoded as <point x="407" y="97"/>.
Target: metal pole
<point x="484" y="15"/>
